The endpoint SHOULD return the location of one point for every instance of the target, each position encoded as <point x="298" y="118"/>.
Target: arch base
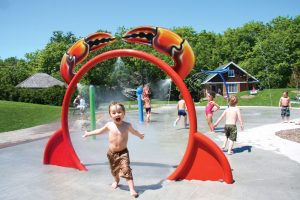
<point x="204" y="161"/>
<point x="60" y="152"/>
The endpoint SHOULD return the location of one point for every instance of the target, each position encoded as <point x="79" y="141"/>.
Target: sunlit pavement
<point x="260" y="169"/>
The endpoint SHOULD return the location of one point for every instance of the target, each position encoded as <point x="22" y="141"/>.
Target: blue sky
<point x="27" y="25"/>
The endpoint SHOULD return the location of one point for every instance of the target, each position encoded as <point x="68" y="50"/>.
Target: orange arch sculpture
<point x="203" y="159"/>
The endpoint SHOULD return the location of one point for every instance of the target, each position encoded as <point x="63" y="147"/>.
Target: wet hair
<point x="211" y="93"/>
<point x="114" y="103"/>
<point x="233" y="100"/>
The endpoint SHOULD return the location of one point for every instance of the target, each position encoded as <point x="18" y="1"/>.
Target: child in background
<point x="146" y="90"/>
<point x="147" y="105"/>
<point x="147" y="101"/>
<point x="181" y="110"/>
<point x="76" y="101"/>
<point x="209" y="109"/>
<point x="232" y="114"/>
<point x="285" y="104"/>
<point x="118" y="154"/>
<point x="82" y="105"/>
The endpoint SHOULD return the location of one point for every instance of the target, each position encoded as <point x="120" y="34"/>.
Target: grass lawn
<point x="262" y="98"/>
<point x="16" y="115"/>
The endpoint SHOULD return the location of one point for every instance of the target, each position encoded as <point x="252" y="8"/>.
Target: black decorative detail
<point x="97" y="41"/>
<point x="178" y="49"/>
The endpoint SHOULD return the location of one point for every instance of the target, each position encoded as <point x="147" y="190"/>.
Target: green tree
<point x="270" y="52"/>
<point x="13" y="71"/>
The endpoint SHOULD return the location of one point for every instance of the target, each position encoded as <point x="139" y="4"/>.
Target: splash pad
<point x="203" y="159"/>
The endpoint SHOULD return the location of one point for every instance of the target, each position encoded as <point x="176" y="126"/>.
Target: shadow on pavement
<point x="142" y="188"/>
<point x="242" y="149"/>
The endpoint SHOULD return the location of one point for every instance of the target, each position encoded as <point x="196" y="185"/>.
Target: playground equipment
<point x="139" y="92"/>
<point x="92" y="109"/>
<point x="220" y="72"/>
<point x="203" y="159"/>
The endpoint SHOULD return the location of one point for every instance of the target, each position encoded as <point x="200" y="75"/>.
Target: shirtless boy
<point x="147" y="105"/>
<point x="232" y="114"/>
<point x="181" y="109"/>
<point x="285" y="104"/>
<point x="118" y="154"/>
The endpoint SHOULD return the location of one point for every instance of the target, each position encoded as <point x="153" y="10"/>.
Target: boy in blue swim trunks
<point x="181" y="109"/>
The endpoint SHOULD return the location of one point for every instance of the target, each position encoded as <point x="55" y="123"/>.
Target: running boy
<point x="232" y="114"/>
<point x="285" y="104"/>
<point x="181" y="110"/>
<point x="118" y="154"/>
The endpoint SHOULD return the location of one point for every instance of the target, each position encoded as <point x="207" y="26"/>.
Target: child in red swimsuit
<point x="209" y="109"/>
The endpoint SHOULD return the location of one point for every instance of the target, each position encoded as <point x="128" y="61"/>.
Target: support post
<point x="92" y="109"/>
<point x="139" y="92"/>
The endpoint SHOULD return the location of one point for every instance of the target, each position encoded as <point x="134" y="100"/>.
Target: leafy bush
<point x="50" y="96"/>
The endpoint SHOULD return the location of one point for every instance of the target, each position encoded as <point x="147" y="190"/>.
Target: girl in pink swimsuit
<point x="209" y="109"/>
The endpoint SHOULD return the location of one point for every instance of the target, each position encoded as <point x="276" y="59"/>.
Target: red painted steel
<point x="203" y="159"/>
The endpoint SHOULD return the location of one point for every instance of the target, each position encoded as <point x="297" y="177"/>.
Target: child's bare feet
<point x="134" y="194"/>
<point x="115" y="184"/>
<point x="175" y="123"/>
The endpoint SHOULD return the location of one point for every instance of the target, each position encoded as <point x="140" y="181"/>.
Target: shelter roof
<point x="40" y="80"/>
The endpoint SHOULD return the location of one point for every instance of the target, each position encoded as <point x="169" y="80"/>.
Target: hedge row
<point x="50" y="96"/>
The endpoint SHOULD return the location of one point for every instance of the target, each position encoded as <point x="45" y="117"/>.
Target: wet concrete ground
<point x="258" y="174"/>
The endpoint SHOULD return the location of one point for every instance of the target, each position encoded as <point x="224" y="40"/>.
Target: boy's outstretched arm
<point x="96" y="132"/>
<point x="135" y="132"/>
<point x="240" y="118"/>
<point x="220" y="118"/>
<point x="279" y="104"/>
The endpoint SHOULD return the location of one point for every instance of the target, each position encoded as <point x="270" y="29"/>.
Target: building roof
<point x="40" y="80"/>
<point x="210" y="76"/>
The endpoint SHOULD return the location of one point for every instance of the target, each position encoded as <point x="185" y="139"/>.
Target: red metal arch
<point x="203" y="159"/>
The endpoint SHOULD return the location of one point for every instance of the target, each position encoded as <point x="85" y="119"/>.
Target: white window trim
<point x="235" y="87"/>
<point x="230" y="73"/>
